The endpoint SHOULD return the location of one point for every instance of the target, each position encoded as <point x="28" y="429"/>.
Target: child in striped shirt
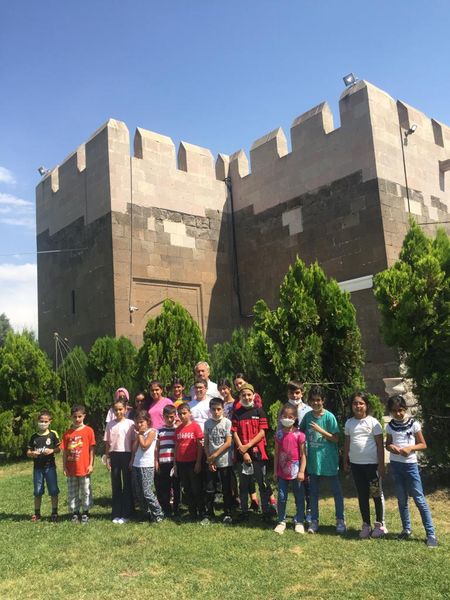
<point x="167" y="485"/>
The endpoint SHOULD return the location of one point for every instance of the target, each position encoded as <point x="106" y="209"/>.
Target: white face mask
<point x="287" y="422"/>
<point x="295" y="402"/>
<point x="42" y="426"/>
<point x="249" y="405"/>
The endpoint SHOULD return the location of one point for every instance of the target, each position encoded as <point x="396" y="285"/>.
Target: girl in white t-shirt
<point x="143" y="471"/>
<point x="404" y="437"/>
<point x="364" y="455"/>
<point x="119" y="436"/>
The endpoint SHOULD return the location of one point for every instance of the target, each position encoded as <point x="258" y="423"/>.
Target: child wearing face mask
<point x="289" y="466"/>
<point x="42" y="447"/>
<point x="295" y="391"/>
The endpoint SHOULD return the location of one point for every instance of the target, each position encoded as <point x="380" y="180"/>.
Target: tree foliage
<point x="173" y="344"/>
<point x="414" y="300"/>
<point x="5" y="328"/>
<point x="312" y="336"/>
<point x="27" y="385"/>
<point x="26" y="375"/>
<point x="74" y="376"/>
<point x="236" y="356"/>
<point x="110" y="364"/>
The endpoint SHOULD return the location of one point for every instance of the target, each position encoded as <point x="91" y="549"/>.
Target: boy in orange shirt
<point x="78" y="445"/>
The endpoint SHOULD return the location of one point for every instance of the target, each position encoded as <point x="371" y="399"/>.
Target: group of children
<point x="203" y="446"/>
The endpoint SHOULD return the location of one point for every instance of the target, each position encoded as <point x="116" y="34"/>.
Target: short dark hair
<point x="216" y="402"/>
<point x="239" y="376"/>
<point x="45" y="413"/>
<point x="169" y="409"/>
<point x="294" y="386"/>
<point x="224" y="383"/>
<point x="142" y="415"/>
<point x="177" y="381"/>
<point x="80" y="408"/>
<point x="316" y="391"/>
<point x="202" y="381"/>
<point x="397" y="400"/>
<point x="183" y="405"/>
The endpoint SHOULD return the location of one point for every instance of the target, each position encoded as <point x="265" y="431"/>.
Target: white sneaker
<point x="313" y="526"/>
<point x="379" y="530"/>
<point x="340" y="526"/>
<point x="280" y="528"/>
<point x="122" y="521"/>
<point x="299" y="528"/>
<point x="116" y="520"/>
<point x="365" y="532"/>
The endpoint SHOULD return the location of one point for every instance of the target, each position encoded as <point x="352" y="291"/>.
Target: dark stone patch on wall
<point x="88" y="272"/>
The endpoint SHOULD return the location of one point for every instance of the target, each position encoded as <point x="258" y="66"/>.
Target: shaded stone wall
<point x="75" y="289"/>
<point x="175" y="255"/>
<point x="340" y="226"/>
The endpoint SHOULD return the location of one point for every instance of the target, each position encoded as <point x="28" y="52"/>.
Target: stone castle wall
<point x="157" y="222"/>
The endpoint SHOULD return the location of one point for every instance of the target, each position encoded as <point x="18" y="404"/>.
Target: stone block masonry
<point x="156" y="223"/>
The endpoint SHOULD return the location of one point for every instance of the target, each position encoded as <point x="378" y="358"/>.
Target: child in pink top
<point x="290" y="465"/>
<point x="157" y="404"/>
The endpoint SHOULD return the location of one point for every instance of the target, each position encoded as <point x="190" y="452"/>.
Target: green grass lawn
<point x="103" y="561"/>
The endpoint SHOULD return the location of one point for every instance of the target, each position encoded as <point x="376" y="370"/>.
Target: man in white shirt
<point x="201" y="371"/>
<point x="200" y="411"/>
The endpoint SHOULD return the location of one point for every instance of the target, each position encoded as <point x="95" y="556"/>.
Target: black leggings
<point x="368" y="484"/>
<point x="122" y="495"/>
<point x="191" y="482"/>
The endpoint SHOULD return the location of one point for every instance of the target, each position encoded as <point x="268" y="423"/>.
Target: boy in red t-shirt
<point x="78" y="445"/>
<point x="188" y="460"/>
<point x="248" y="426"/>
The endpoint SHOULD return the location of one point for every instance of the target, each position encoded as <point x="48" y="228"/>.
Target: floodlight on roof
<point x="411" y="130"/>
<point x="350" y="79"/>
<point x="43" y="171"/>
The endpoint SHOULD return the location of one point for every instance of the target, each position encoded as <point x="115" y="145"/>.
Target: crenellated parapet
<point x="102" y="176"/>
<point x="368" y="140"/>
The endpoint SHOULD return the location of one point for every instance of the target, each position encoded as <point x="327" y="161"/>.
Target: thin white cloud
<point x="18" y="295"/>
<point x="19" y="212"/>
<point x="11" y="200"/>
<point x="27" y="222"/>
<point x="6" y="176"/>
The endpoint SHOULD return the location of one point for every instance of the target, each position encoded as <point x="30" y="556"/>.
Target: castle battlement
<point x="368" y="140"/>
<point x="102" y="175"/>
<point x="189" y="180"/>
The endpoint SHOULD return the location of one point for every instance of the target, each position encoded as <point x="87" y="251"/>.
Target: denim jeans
<point x="47" y="474"/>
<point x="314" y="485"/>
<point x="408" y="483"/>
<point x="299" y="495"/>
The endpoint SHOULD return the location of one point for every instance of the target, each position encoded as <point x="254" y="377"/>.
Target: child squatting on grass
<point x="78" y="445"/>
<point x="404" y="437"/>
<point x="364" y="455"/>
<point x="42" y="447"/>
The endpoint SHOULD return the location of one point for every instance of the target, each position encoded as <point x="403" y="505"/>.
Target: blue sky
<point x="215" y="74"/>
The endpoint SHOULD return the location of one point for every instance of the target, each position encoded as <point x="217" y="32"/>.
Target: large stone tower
<point x="136" y="229"/>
